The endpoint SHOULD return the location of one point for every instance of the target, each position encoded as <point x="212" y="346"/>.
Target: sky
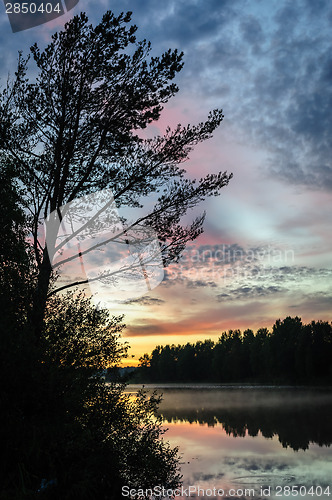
<point x="266" y="248"/>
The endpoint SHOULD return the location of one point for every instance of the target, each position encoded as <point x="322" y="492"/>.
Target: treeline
<point x="292" y="352"/>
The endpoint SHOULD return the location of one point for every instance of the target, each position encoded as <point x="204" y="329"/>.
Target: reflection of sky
<point x="211" y="458"/>
<point x="269" y="66"/>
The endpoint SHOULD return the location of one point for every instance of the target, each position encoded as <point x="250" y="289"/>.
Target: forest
<point x="292" y="353"/>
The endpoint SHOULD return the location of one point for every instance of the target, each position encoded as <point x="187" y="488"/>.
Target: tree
<point x="284" y="343"/>
<point x="65" y="432"/>
<point x="321" y="349"/>
<point x="78" y="335"/>
<point x="15" y="255"/>
<point x="74" y="131"/>
<point x="71" y="132"/>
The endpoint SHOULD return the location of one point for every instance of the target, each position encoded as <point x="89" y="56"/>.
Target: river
<point x="250" y="442"/>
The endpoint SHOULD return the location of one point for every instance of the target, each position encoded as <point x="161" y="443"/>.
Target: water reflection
<point x="251" y="441"/>
<point x="296" y="417"/>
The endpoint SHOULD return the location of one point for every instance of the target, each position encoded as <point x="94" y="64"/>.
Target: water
<point x="250" y="442"/>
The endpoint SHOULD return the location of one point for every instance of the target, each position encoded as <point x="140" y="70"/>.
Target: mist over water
<point x="242" y="438"/>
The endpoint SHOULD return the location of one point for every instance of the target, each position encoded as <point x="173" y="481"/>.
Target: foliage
<point x="64" y="432"/>
<point x="78" y="335"/>
<point x="62" y="426"/>
<point x="15" y="253"/>
<point x="70" y="129"/>
<point x="74" y="131"/>
<point x="291" y="353"/>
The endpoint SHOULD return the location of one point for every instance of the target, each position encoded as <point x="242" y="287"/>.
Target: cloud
<point x="270" y="68"/>
<point x="293" y="97"/>
<point x="314" y="303"/>
<point x="146" y="301"/>
<point x="249" y="292"/>
<point x="201" y="283"/>
<point x="201" y="476"/>
<point x="147" y="327"/>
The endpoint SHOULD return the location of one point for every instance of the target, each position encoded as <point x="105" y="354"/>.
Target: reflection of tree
<point x="296" y="424"/>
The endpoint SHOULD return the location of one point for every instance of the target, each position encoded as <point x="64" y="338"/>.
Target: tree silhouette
<point x="71" y="155"/>
<point x="74" y="131"/>
<point x="291" y="353"/>
<point x="15" y="255"/>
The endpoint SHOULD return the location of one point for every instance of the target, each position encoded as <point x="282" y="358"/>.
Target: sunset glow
<point x="266" y="250"/>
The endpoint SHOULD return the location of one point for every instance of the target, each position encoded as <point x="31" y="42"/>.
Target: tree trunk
<point x="40" y="296"/>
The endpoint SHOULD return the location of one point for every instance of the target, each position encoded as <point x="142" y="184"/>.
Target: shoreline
<point x="211" y="386"/>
